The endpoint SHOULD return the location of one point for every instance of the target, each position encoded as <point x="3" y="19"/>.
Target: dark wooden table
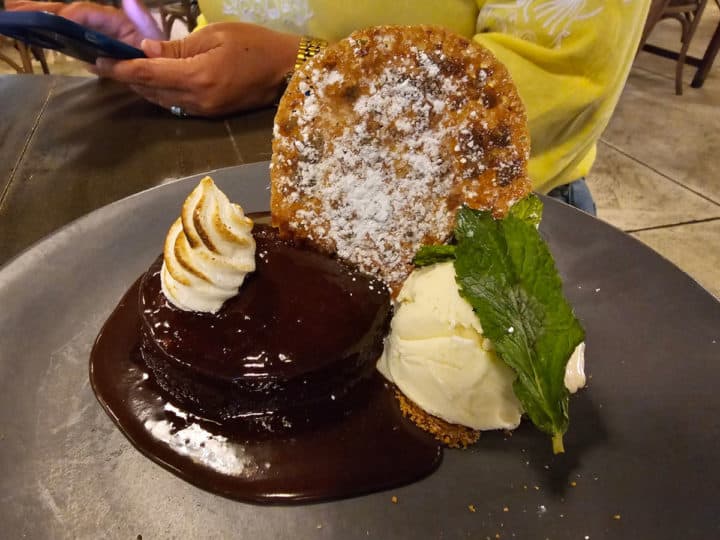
<point x="69" y="145"/>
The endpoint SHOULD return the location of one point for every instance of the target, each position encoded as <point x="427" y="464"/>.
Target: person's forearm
<point x="220" y="69"/>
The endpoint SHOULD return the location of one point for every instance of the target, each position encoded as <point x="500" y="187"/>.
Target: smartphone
<point x="41" y="29"/>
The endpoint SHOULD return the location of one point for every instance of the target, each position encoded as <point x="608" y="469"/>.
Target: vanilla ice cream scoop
<point x="208" y="251"/>
<point x="437" y="356"/>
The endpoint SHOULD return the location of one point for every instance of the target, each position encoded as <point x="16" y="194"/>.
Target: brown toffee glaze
<point x="275" y="398"/>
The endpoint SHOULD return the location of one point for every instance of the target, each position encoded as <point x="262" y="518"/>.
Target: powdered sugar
<point x="367" y="191"/>
<point x="381" y="142"/>
<point x="203" y="447"/>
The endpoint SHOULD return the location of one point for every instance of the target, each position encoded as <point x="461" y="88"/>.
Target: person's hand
<point x="219" y="69"/>
<point x="131" y="25"/>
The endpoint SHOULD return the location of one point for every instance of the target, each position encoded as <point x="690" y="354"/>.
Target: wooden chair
<point x="185" y="11"/>
<point x="687" y="13"/>
<point x="26" y="55"/>
<point x="706" y="62"/>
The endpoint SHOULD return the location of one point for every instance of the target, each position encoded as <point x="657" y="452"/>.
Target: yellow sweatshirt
<point x="568" y="58"/>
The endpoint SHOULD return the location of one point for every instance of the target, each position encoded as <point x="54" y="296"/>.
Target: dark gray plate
<point x="643" y="445"/>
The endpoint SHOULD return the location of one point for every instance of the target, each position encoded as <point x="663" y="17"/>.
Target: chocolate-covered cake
<point x="245" y="363"/>
<point x="305" y="330"/>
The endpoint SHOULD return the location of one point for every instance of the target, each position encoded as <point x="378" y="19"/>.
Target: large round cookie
<point x="382" y="137"/>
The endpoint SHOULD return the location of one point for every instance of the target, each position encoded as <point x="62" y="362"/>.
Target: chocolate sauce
<point x="359" y="445"/>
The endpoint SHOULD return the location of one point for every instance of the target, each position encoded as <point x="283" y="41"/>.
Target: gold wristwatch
<point x="309" y="47"/>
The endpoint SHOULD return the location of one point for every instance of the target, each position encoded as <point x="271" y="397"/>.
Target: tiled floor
<point x="657" y="174"/>
<point x="658" y="170"/>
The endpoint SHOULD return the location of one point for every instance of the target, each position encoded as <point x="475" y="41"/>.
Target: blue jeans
<point x="576" y="194"/>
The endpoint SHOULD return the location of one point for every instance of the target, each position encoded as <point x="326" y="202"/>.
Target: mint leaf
<point x="506" y="272"/>
<point x="528" y="209"/>
<point x="428" y="255"/>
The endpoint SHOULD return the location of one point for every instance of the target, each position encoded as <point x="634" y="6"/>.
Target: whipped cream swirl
<point x="208" y="251"/>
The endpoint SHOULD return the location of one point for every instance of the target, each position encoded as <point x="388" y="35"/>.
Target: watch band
<point x="308" y="47"/>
